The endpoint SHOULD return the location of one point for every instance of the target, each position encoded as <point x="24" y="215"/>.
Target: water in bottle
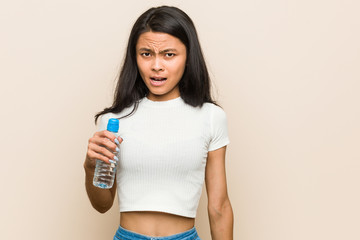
<point x="104" y="172"/>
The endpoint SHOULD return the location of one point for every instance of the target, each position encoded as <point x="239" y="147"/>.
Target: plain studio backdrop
<point x="287" y="73"/>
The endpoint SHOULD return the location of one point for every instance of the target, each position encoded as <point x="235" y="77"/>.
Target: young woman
<point x="172" y="136"/>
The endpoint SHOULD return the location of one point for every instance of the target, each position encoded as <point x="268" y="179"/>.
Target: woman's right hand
<point x="102" y="145"/>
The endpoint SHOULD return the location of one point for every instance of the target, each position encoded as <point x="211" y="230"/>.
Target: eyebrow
<point x="162" y="51"/>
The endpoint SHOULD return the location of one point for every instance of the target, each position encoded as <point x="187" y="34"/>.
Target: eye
<point x="169" y="55"/>
<point x="145" y="54"/>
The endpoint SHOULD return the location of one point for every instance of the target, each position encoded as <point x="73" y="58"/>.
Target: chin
<point x="158" y="94"/>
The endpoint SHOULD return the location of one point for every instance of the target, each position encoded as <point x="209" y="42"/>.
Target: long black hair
<point x="194" y="85"/>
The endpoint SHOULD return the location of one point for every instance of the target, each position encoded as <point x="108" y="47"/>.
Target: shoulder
<point x="215" y="112"/>
<point x="216" y="116"/>
<point x="103" y="119"/>
<point x="218" y="127"/>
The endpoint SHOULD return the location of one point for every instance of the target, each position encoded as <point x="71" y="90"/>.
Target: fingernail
<point x="117" y="149"/>
<point x="117" y="141"/>
<point x="116" y="158"/>
<point x="112" y="161"/>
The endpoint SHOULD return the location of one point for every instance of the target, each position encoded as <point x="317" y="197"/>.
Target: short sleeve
<point x="219" y="129"/>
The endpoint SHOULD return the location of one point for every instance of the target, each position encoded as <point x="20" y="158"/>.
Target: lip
<point x="157" y="83"/>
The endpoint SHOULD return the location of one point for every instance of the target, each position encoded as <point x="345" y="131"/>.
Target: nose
<point x="157" y="65"/>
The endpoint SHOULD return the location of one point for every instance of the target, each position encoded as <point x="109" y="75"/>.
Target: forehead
<point x="159" y="40"/>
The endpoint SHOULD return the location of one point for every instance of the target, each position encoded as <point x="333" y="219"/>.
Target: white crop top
<point x="163" y="156"/>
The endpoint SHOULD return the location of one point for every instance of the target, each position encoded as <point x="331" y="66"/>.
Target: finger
<point x="120" y="139"/>
<point x="101" y="150"/>
<point x="104" y="142"/>
<point x="107" y="134"/>
<point x="96" y="156"/>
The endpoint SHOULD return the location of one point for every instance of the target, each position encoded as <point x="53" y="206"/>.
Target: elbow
<point x="218" y="210"/>
<point x="101" y="200"/>
<point x="102" y="208"/>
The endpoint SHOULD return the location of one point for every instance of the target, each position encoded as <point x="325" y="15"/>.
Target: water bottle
<point x="104" y="172"/>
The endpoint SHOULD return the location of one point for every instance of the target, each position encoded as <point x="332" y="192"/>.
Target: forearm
<point x="101" y="199"/>
<point x="221" y="221"/>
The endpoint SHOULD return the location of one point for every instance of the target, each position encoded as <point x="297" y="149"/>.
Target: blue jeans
<point x="123" y="234"/>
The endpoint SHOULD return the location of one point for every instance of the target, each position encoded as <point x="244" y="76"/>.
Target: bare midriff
<point x="155" y="224"/>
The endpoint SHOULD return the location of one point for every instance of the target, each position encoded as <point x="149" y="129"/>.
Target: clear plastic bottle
<point x="105" y="173"/>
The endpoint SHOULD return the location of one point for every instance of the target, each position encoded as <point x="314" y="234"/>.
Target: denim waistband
<point x="124" y="234"/>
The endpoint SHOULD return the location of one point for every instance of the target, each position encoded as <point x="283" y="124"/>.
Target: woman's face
<point x="161" y="60"/>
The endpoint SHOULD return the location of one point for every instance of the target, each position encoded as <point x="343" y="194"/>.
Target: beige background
<point x="286" y="72"/>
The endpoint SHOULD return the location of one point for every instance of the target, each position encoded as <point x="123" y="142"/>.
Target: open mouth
<point x="158" y="79"/>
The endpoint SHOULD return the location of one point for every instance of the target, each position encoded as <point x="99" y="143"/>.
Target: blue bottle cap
<point x="113" y="125"/>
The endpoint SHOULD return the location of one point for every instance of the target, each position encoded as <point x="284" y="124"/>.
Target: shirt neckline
<point x="160" y="104"/>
